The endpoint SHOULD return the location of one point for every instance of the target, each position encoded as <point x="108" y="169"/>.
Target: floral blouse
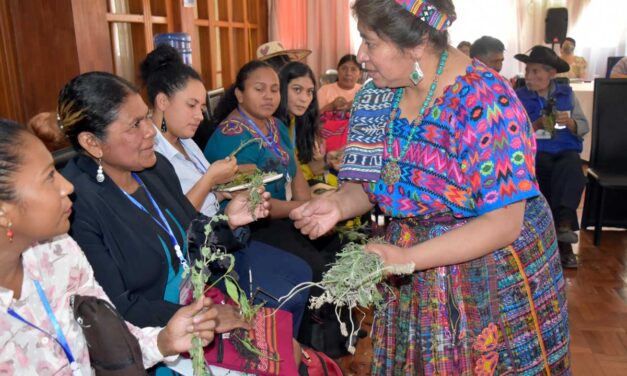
<point x="62" y="270"/>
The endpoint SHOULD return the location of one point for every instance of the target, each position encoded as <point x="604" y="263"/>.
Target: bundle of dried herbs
<point x="200" y="274"/>
<point x="352" y="281"/>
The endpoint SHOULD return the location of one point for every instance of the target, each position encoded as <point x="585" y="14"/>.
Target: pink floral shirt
<point x="62" y="269"/>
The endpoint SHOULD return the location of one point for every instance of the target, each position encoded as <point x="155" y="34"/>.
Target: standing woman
<point x="445" y="149"/>
<point x="41" y="265"/>
<point x="336" y="100"/>
<point x="299" y="110"/>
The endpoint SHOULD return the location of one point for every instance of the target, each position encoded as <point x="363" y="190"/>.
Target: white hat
<point x="274" y="48"/>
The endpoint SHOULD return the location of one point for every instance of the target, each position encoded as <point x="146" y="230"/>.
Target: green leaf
<point x="232" y="289"/>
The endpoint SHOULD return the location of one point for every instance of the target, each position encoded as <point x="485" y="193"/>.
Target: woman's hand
<point x="316" y="217"/>
<point x="198" y="318"/>
<point x="223" y="171"/>
<point x="319" y="149"/>
<point x="229" y="318"/>
<point x="390" y="254"/>
<point x="239" y="213"/>
<point x="341" y="104"/>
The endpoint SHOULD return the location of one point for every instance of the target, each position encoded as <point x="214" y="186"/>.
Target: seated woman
<point x="558" y="166"/>
<point x="299" y="110"/>
<point x="246" y="112"/>
<point x="37" y="255"/>
<point x="335" y="101"/>
<point x="130" y="214"/>
<point x="177" y="95"/>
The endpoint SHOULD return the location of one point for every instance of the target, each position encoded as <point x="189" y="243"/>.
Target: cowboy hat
<point x="274" y="48"/>
<point x="546" y="56"/>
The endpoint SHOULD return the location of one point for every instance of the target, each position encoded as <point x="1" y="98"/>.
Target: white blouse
<point x="62" y="270"/>
<point x="189" y="171"/>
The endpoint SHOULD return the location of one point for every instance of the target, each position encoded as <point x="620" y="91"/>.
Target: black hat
<point x="546" y="56"/>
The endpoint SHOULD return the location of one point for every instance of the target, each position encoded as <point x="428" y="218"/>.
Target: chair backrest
<point x="611" y="61"/>
<point x="609" y="125"/>
<point x="214" y="97"/>
<point x="62" y="156"/>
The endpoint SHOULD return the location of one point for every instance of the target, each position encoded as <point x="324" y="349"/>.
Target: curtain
<point x="318" y="25"/>
<point x="598" y="26"/>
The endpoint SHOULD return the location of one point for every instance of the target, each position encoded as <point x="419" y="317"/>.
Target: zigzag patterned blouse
<point x="474" y="152"/>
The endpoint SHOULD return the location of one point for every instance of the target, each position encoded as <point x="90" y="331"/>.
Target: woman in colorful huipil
<point x="443" y="147"/>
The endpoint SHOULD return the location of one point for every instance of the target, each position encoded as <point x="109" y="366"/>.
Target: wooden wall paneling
<point x="46" y="50"/>
<point x="10" y="90"/>
<point x="231" y="68"/>
<point x="93" y="41"/>
<point x="148" y="42"/>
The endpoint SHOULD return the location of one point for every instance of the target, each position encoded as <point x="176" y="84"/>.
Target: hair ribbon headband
<point x="427" y="13"/>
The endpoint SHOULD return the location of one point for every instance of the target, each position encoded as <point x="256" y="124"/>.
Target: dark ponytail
<point x="163" y="71"/>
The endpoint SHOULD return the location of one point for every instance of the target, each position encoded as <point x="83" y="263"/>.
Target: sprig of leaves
<point x="200" y="274"/>
<point x="244" y="144"/>
<point x="254" y="197"/>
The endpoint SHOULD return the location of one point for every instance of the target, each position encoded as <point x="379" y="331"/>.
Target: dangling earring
<point x="10" y="232"/>
<point x="164" y="126"/>
<point x="99" y="174"/>
<point x="417" y="75"/>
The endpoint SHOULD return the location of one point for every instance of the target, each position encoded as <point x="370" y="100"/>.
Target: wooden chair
<point x="606" y="192"/>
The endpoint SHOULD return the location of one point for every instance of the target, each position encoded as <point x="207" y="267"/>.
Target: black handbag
<point x="113" y="349"/>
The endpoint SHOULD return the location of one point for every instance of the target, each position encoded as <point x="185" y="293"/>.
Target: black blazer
<point x="120" y="242"/>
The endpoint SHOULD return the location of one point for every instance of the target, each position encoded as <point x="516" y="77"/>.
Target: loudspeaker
<point x="555" y="25"/>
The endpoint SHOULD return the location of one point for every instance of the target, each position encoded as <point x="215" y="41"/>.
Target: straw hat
<point x="546" y="56"/>
<point x="274" y="48"/>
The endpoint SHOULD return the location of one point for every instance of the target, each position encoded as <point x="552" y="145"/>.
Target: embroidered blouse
<point x="232" y="132"/>
<point x="474" y="151"/>
<point x="62" y="269"/>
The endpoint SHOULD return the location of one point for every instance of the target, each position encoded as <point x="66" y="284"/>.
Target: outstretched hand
<point x="316" y="217"/>
<point x="239" y="212"/>
<point x="198" y="318"/>
<point x="390" y="254"/>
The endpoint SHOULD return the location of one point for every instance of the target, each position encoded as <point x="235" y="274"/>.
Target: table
<point x="584" y="91"/>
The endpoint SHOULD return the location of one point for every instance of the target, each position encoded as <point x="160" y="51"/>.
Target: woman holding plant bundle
<point x="444" y="148"/>
<point x="245" y="113"/>
<point x="177" y="94"/>
<point x="41" y="268"/>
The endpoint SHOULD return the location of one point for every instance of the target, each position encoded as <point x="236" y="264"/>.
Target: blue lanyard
<point x="60" y="338"/>
<point x="200" y="167"/>
<point x="271" y="143"/>
<point x="163" y="223"/>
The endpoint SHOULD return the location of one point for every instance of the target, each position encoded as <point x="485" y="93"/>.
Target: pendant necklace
<point x="391" y="172"/>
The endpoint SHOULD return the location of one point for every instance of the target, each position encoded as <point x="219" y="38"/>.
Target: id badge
<point x="288" y="187"/>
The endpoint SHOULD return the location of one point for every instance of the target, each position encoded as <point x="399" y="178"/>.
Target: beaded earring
<point x="10" y="232"/>
<point x="100" y="177"/>
<point x="416" y="75"/>
<point x="164" y="126"/>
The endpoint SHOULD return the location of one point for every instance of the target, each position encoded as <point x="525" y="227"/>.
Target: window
<point x="132" y="25"/>
<point x="226" y="36"/>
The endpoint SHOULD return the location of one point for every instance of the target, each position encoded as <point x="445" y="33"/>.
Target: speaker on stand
<point x="555" y="25"/>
